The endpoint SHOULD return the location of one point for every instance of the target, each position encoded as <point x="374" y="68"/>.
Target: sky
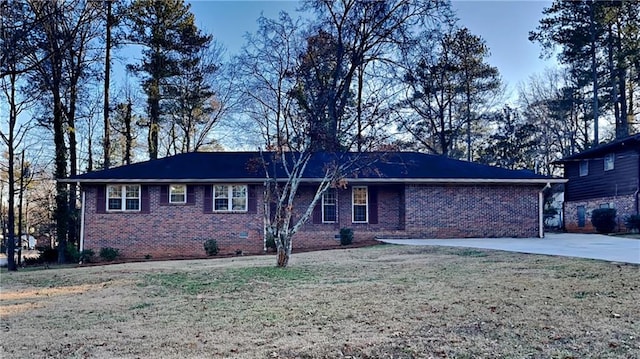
<point x="504" y="25"/>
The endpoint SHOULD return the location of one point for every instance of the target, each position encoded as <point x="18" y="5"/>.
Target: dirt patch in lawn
<point x="380" y="302"/>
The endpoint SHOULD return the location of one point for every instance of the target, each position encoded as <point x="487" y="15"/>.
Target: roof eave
<point x="317" y="180"/>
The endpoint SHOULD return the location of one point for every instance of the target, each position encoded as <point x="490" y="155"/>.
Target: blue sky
<point x="504" y="25"/>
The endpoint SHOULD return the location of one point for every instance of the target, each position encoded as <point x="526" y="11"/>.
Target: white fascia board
<point x="532" y="181"/>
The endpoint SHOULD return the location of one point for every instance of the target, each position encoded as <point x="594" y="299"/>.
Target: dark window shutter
<point x="317" y="212"/>
<point x="373" y="205"/>
<point x="402" y="211"/>
<point x="252" y="205"/>
<point x="145" y="205"/>
<point x="101" y="203"/>
<point x="191" y="194"/>
<point x="164" y="195"/>
<point x="208" y="199"/>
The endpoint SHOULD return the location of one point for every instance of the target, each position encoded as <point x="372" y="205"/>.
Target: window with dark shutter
<point x="252" y="206"/>
<point x="208" y="199"/>
<point x="191" y="194"/>
<point x="101" y="203"/>
<point x="373" y="205"/>
<point x="145" y="205"/>
<point x="317" y="213"/>
<point x="164" y="195"/>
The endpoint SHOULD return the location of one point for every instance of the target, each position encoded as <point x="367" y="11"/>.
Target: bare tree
<point x="15" y="25"/>
<point x="304" y="106"/>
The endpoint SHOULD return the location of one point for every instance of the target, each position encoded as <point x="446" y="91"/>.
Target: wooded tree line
<point x="340" y="75"/>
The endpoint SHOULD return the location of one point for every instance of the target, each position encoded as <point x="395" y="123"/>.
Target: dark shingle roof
<point x="247" y="167"/>
<point x="630" y="142"/>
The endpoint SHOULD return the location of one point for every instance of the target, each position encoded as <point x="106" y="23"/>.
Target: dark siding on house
<point x="622" y="180"/>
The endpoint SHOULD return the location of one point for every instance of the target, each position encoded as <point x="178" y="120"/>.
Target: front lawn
<point x="379" y="302"/>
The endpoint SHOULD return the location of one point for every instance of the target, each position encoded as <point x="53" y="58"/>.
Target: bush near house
<point x="604" y="219"/>
<point x="109" y="254"/>
<point x="346" y="236"/>
<point x="271" y="243"/>
<point x="211" y="247"/>
<point x="633" y="223"/>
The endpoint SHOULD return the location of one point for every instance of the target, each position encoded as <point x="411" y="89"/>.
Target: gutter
<point x="318" y="180"/>
<point x="82" y="209"/>
<point x="541" y="210"/>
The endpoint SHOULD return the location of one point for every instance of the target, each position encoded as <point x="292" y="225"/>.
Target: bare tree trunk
<point x="11" y="241"/>
<point x="20" y="200"/>
<point x="284" y="253"/>
<point x="107" y="74"/>
<point x="594" y="71"/>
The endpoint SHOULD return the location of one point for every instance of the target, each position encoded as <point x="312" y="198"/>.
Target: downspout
<point x="82" y="209"/>
<point x="636" y="195"/>
<point x="541" y="211"/>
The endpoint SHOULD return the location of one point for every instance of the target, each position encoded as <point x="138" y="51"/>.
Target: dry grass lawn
<point x="379" y="302"/>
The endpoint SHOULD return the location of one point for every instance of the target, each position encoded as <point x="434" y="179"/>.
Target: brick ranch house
<point x="169" y="207"/>
<point x="605" y="176"/>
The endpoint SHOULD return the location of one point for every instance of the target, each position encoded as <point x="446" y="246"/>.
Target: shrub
<point x="604" y="219"/>
<point x="271" y="243"/>
<point x="48" y="255"/>
<point x="109" y="254"/>
<point x="29" y="261"/>
<point x="346" y="236"/>
<point x="86" y="256"/>
<point x="633" y="222"/>
<point x="211" y="247"/>
<point x="71" y="254"/>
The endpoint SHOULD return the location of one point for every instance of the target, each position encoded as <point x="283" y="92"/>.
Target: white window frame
<point x="230" y="198"/>
<point x="584" y="168"/>
<point x="334" y="205"/>
<point x="172" y="193"/>
<point x="123" y="198"/>
<point x="609" y="161"/>
<point x="353" y="204"/>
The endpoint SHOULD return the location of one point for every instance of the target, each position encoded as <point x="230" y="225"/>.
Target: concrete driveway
<point x="593" y="246"/>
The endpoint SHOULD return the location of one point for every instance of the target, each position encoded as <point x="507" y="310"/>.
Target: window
<point x="329" y="206"/>
<point x="177" y="193"/>
<point x="582" y="216"/>
<point x="360" y="204"/>
<point x="584" y="168"/>
<point x="609" y="161"/>
<point x="229" y="198"/>
<point x="123" y="198"/>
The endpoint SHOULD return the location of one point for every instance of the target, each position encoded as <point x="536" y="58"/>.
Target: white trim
<point x="366" y="211"/>
<point x="230" y="198"/>
<point x="185" y="194"/>
<point x="82" y="209"/>
<point x="123" y="198"/>
<point x="612" y="157"/>
<point x="335" y="204"/>
<point x="308" y="180"/>
<point x="586" y="165"/>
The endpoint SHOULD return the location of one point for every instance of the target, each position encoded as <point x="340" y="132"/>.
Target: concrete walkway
<point x="594" y="246"/>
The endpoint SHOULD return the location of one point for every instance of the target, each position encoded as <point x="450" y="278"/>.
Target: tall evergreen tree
<point x="598" y="40"/>
<point x="166" y="30"/>
<point x="448" y="86"/>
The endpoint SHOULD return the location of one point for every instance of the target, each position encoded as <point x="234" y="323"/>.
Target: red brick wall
<point x="317" y="235"/>
<point x="432" y="211"/>
<point x="624" y="205"/>
<point x="437" y="211"/>
<point x="171" y="230"/>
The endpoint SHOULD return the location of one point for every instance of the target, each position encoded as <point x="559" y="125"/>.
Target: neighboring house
<point x="169" y="207"/>
<point x="606" y="176"/>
